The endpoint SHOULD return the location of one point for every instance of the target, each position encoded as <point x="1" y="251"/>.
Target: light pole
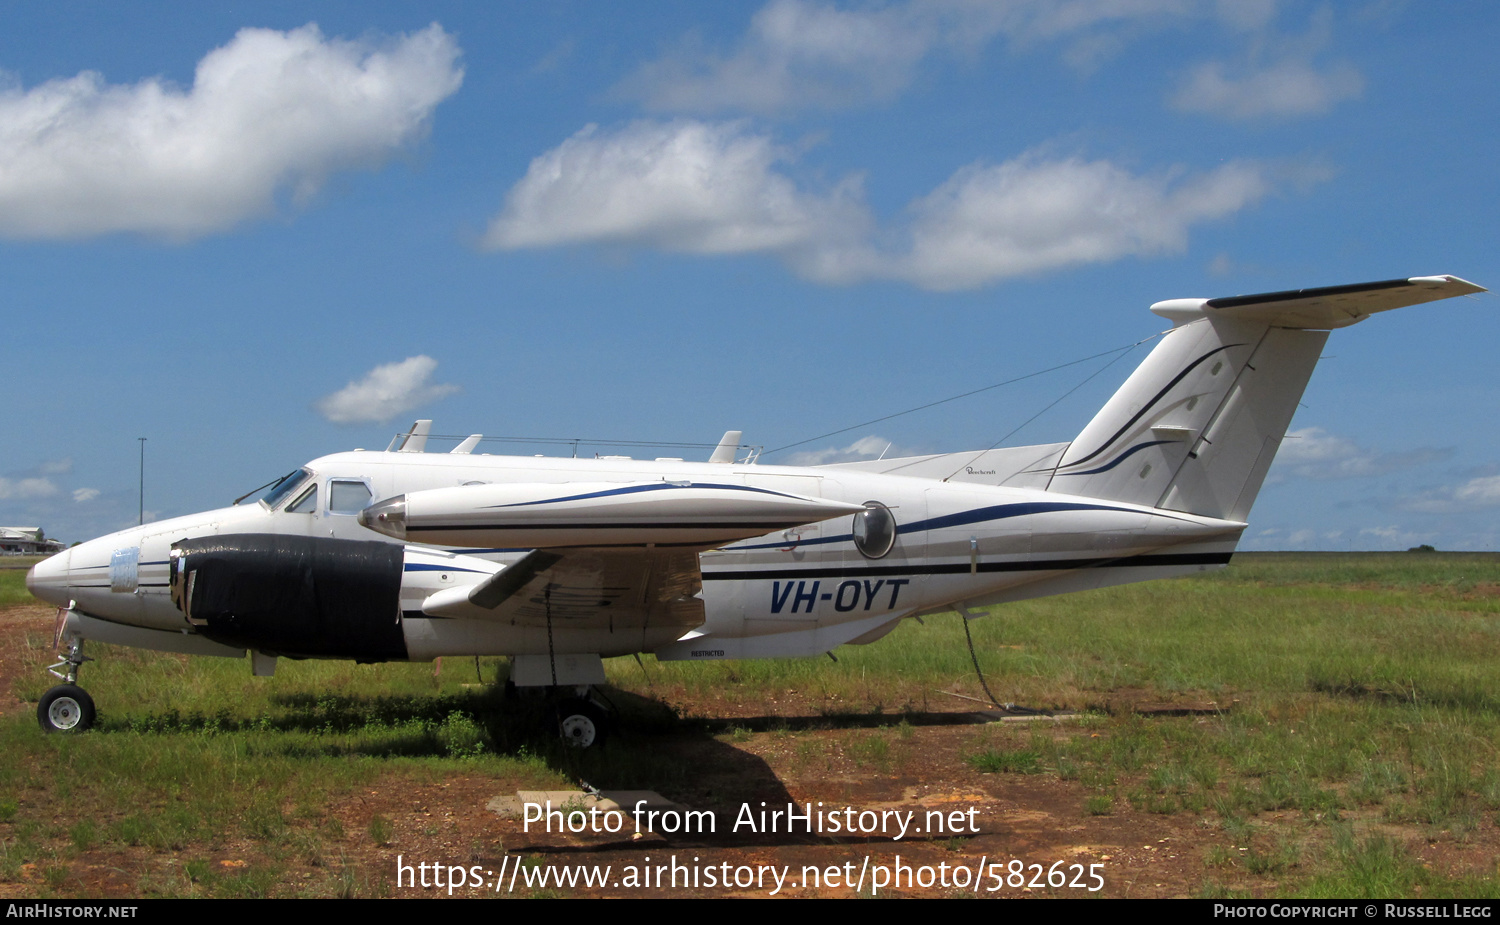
<point x="143" y="480"/>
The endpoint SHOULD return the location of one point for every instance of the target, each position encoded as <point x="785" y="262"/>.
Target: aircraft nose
<point x="48" y="580"/>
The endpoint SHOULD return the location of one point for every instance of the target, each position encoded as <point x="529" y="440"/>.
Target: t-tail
<point x="1196" y="426"/>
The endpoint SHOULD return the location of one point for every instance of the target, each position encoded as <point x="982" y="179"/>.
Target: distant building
<point x="26" y="541"/>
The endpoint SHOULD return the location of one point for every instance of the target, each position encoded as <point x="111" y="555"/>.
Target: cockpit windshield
<point x="277" y="491"/>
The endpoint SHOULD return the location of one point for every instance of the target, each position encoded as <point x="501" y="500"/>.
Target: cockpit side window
<point x="285" y="487"/>
<point x="307" y="504"/>
<point x="348" y="496"/>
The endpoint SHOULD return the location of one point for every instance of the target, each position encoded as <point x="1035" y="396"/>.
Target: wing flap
<point x="501" y="586"/>
<point x="609" y="589"/>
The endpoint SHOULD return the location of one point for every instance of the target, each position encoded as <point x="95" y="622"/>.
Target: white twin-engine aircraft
<point x="559" y="563"/>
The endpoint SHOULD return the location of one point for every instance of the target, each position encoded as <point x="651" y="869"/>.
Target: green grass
<point x="1402" y="627"/>
<point x="13" y="579"/>
<point x="194" y="755"/>
<point x="1375" y="867"/>
<point x="993" y="761"/>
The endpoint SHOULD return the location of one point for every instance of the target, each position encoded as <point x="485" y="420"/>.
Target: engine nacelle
<point x="309" y="596"/>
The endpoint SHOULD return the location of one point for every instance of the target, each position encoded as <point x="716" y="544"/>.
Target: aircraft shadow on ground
<point x="720" y="726"/>
<point x="653" y="748"/>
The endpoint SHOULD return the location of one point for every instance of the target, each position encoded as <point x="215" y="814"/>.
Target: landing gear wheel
<point x="580" y="723"/>
<point x="65" y="708"/>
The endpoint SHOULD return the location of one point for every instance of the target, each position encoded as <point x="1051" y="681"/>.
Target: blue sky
<point x="255" y="235"/>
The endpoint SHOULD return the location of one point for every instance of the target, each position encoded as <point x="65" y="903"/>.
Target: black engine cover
<point x="298" y="595"/>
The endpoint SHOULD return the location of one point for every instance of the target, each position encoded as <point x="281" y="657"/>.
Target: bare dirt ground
<point x="1033" y="819"/>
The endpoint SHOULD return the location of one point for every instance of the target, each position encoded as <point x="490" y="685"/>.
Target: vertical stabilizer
<point x="1196" y="426"/>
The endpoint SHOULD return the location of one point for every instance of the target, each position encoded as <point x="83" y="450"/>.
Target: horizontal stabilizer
<point x="1321" y="309"/>
<point x="1196" y="426"/>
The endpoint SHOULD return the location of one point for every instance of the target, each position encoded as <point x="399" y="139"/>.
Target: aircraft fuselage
<point x="798" y="591"/>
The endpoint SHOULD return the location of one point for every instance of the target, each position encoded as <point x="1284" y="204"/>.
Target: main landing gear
<point x="582" y="722"/>
<point x="579" y="715"/>
<point x="67" y="707"/>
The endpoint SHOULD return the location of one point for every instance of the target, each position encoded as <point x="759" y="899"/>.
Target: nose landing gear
<point x="66" y="707"/>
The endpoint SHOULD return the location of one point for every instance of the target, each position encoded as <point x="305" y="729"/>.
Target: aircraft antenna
<point x="943" y="401"/>
<point x="254" y="490"/>
<point x="1053" y="404"/>
<point x="1003" y="707"/>
<point x="551" y="654"/>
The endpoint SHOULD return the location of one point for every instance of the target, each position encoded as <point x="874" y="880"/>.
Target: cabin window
<point x="306" y="504"/>
<point x="346" y="496"/>
<point x="874" y="530"/>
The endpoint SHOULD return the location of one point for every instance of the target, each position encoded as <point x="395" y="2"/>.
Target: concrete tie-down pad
<point x="567" y="802"/>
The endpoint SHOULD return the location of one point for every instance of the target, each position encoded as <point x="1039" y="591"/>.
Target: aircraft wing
<point x="647" y="514"/>
<point x="604" y="588"/>
<point x="1322" y="308"/>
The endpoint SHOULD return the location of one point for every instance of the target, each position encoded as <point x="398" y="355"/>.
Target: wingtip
<point x="1460" y="285"/>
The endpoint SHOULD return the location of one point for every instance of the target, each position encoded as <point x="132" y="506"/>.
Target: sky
<point x="257" y="234"/>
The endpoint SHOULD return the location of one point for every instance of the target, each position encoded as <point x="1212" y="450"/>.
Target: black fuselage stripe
<point x="965" y="568"/>
<point x="717" y="525"/>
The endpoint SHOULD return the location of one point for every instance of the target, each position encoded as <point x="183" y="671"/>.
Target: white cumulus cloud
<point x="699" y="187"/>
<point x="1285" y="89"/>
<point x="269" y="111"/>
<point x="26" y="488"/>
<point x="80" y="495"/>
<point x="385" y="392"/>
<point x="814" y="54"/>
<point x="1276" y="78"/>
<point x="871" y="447"/>
<point x="1479" y="492"/>
<point x="720" y="188"/>
<point x="1032" y="214"/>
<point x="1314" y="453"/>
<point x="803" y="54"/>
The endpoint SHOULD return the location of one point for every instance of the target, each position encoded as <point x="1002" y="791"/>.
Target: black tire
<point x="581" y="724"/>
<point x="65" y="708"/>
